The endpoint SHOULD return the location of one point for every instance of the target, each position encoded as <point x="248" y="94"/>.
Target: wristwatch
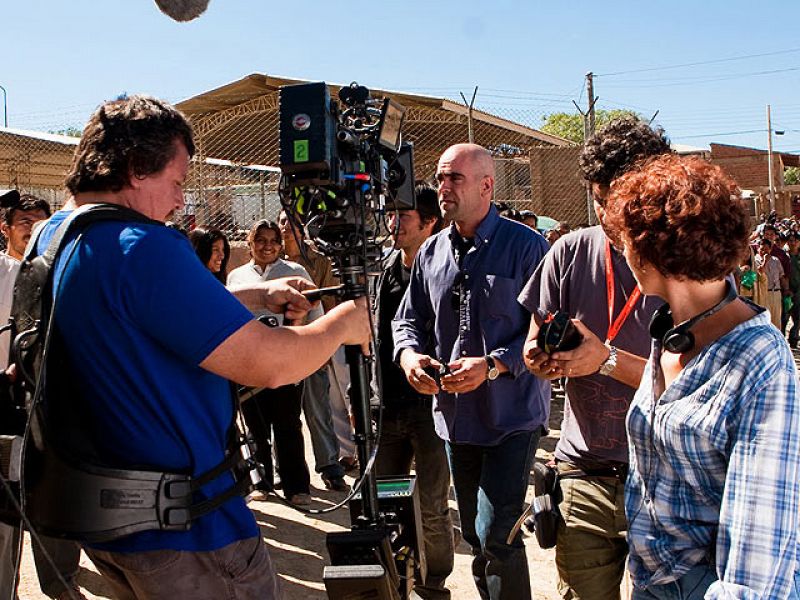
<point x="493" y="371"/>
<point x="608" y="366"/>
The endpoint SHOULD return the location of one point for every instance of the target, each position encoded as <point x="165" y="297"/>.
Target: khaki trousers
<point x="591" y="549"/>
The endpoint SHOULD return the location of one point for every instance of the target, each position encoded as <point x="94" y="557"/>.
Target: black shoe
<point x="337" y="484"/>
<point x="349" y="464"/>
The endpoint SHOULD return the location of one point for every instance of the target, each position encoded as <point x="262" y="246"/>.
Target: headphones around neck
<point x="680" y="339"/>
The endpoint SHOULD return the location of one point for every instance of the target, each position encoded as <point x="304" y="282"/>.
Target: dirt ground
<point x="297" y="544"/>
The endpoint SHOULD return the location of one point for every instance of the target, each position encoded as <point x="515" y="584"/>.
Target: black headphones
<point x="680" y="339"/>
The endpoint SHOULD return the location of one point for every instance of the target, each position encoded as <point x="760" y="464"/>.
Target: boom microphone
<point x="182" y="10"/>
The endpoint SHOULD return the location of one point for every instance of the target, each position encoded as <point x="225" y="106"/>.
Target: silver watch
<point x="492" y="371"/>
<point x="608" y="366"/>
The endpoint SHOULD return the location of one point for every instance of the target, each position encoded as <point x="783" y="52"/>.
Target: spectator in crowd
<point x="337" y="370"/>
<point x="771" y="233"/>
<point x="552" y="236"/>
<point x="602" y="374"/>
<point x="316" y="400"/>
<point x="530" y="219"/>
<point x="460" y="308"/>
<point x="408" y="435"/>
<point x="213" y="250"/>
<point x="173" y="338"/>
<point x="20" y="212"/>
<point x="769" y="267"/>
<point x="563" y="228"/>
<point x="276" y="412"/>
<point x="712" y="501"/>
<point x="793" y="243"/>
<point x="512" y="214"/>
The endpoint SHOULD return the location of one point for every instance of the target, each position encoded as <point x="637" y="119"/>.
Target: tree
<point x="791" y="176"/>
<point x="570" y="125"/>
<point x="70" y="131"/>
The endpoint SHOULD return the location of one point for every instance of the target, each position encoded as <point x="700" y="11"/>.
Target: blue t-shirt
<point x="138" y="312"/>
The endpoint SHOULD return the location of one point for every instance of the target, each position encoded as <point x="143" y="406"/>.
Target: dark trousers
<point x="278" y="412"/>
<point x="490" y="483"/>
<point x="241" y="570"/>
<point x="408" y="435"/>
<point x="794" y="313"/>
<point x="64" y="554"/>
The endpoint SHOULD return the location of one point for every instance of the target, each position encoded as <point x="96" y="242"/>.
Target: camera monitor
<point x="401" y="180"/>
<point x="392" y="117"/>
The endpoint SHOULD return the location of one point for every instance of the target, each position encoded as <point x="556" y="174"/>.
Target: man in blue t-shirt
<point x="152" y="339"/>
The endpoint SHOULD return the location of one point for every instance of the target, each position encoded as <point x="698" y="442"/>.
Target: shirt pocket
<point x="500" y="296"/>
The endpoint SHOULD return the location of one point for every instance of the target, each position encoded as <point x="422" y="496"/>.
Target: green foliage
<point x="791" y="176"/>
<point x="570" y="125"/>
<point x="70" y="131"/>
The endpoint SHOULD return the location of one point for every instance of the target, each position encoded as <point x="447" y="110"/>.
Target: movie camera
<point x="343" y="167"/>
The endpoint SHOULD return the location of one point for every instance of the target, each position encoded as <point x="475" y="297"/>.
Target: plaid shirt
<point x="714" y="470"/>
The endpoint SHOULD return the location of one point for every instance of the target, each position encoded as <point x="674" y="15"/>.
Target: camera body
<point x="343" y="165"/>
<point x="558" y="333"/>
<point x="436" y="373"/>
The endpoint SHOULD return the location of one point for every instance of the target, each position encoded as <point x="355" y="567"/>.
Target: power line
<point x="699" y="63"/>
<point x="687" y="137"/>
<point x="639" y="83"/>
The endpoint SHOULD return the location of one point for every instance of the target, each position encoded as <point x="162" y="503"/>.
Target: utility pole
<point x="588" y="131"/>
<point x="592" y="99"/>
<point x="769" y="161"/>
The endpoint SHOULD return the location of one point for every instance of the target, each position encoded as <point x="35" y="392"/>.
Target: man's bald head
<point x="478" y="156"/>
<point x="466" y="185"/>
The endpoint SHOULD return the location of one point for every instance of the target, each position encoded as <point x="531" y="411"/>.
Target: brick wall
<point x="748" y="166"/>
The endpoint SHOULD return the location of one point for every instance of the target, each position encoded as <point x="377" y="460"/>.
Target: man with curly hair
<point x="581" y="270"/>
<point x="165" y="339"/>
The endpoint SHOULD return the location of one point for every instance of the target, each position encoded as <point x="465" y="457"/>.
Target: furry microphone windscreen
<point x="182" y="10"/>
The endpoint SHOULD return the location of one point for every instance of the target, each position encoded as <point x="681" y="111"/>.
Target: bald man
<point x="460" y="309"/>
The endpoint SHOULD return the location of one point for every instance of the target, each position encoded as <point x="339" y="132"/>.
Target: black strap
<point x="179" y="513"/>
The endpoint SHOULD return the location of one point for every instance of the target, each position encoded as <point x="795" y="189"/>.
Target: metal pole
<point x="588" y="131"/>
<point x="5" y="106"/>
<point x="470" y="137"/>
<point x="590" y="95"/>
<point x="769" y="159"/>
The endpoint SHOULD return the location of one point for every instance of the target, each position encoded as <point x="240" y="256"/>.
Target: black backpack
<point x="103" y="502"/>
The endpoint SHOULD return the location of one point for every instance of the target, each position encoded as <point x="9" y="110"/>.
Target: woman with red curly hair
<point x="713" y="494"/>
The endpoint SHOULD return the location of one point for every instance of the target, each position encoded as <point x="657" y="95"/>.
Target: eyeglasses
<point x="455" y="291"/>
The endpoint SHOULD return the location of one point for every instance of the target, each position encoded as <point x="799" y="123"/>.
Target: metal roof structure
<point x="34" y="159"/>
<point x="239" y="122"/>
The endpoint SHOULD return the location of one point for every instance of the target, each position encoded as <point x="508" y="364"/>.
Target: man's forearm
<point x="258" y="355"/>
<point x="249" y="295"/>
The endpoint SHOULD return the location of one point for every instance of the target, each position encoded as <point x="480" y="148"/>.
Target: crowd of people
<point x="679" y="455"/>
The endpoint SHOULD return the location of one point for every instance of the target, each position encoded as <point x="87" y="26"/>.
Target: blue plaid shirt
<point x="715" y="469"/>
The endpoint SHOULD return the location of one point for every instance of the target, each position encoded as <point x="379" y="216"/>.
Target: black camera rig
<point x="343" y="166"/>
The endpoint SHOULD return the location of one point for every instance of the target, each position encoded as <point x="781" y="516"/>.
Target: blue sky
<point x="528" y="58"/>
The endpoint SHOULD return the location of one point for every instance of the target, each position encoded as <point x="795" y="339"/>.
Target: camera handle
<point x="350" y="273"/>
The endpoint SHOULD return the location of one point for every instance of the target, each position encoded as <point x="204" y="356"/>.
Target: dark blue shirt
<point x="139" y="313"/>
<point x="473" y="311"/>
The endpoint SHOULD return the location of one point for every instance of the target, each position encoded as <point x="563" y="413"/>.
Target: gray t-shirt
<point x="572" y="279"/>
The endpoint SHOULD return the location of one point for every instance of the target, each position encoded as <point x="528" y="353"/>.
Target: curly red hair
<point x="684" y="216"/>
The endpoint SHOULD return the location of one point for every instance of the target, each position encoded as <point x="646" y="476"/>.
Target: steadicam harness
<point x="66" y="490"/>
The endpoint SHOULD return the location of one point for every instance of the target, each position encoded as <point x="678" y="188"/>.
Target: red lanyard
<point x="616" y="325"/>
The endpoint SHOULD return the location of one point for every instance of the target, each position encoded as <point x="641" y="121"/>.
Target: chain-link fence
<point x="234" y="176"/>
